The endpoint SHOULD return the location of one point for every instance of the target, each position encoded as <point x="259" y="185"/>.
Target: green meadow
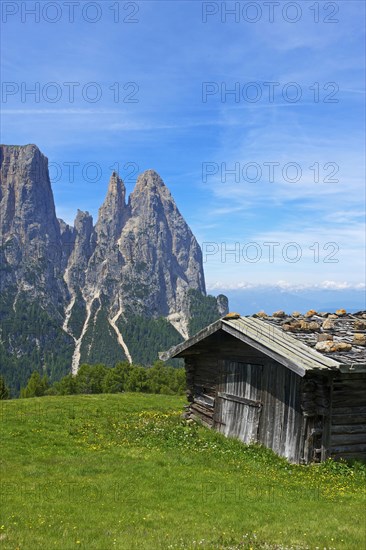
<point x="124" y="471"/>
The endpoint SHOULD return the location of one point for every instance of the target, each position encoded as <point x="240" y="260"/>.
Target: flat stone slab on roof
<point x="343" y="330"/>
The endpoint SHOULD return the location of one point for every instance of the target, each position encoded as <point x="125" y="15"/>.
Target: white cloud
<point x="286" y="285"/>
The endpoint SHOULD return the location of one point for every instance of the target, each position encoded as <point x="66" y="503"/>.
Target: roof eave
<point x="175" y="351"/>
<point x="316" y="361"/>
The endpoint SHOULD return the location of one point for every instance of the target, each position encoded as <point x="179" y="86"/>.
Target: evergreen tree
<point x="93" y="379"/>
<point x="89" y="379"/>
<point x="4" y="390"/>
<point x="113" y="382"/>
<point x="66" y="386"/>
<point x="137" y="380"/>
<point x="36" y="386"/>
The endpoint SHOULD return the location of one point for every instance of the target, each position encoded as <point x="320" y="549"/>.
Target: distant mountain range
<point x="270" y="299"/>
<point x="122" y="289"/>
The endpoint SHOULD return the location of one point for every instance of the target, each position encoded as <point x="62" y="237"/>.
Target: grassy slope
<point x="124" y="471"/>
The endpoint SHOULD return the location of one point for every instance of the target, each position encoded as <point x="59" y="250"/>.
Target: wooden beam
<point x="238" y="399"/>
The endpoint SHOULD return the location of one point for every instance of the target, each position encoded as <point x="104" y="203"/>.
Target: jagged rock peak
<point x="150" y="181"/>
<point x="30" y="148"/>
<point x="113" y="212"/>
<point x="149" y="177"/>
<point x="28" y="222"/>
<point x="26" y="196"/>
<point x="82" y="216"/>
<point x="24" y="161"/>
<point x="151" y="196"/>
<point x="64" y="226"/>
<point x="115" y="197"/>
<point x="116" y="186"/>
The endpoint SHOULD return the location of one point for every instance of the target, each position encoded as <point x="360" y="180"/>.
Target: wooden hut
<point x="296" y="384"/>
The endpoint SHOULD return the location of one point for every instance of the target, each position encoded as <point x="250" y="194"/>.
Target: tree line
<point x="92" y="379"/>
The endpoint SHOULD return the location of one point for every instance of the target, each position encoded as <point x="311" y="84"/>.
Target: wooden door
<point x="237" y="403"/>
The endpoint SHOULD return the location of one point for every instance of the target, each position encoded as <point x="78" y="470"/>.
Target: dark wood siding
<point x="202" y="378"/>
<point x="316" y="410"/>
<point x="348" y="424"/>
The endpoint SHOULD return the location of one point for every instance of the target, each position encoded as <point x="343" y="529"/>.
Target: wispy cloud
<point x="58" y="112"/>
<point x="173" y="130"/>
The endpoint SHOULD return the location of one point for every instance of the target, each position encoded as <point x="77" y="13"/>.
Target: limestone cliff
<point x="102" y="287"/>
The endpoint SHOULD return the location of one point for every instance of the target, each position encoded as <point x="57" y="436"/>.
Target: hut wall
<point x="204" y="370"/>
<point x="348" y="417"/>
<point x="316" y="390"/>
<point x="201" y="381"/>
<point x="261" y="402"/>
<point x="243" y="393"/>
<point x="249" y="397"/>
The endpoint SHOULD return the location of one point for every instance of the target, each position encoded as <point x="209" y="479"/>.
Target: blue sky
<point x="309" y="131"/>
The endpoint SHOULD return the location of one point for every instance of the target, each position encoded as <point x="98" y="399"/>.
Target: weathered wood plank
<point x="347" y="439"/>
<point x="340" y="382"/>
<point x="325" y="444"/>
<point x="357" y="388"/>
<point x="349" y="456"/>
<point x="346" y="419"/>
<point x="204" y="410"/>
<point x="355" y="448"/>
<point x="349" y="410"/>
<point x="204" y="402"/>
<point x="239" y="399"/>
<point x="201" y="416"/>
<point x="352" y="376"/>
<point x="349" y="429"/>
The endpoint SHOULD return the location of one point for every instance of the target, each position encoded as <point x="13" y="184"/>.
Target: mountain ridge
<point x="139" y="261"/>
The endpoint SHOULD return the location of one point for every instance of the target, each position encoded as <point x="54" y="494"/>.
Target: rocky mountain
<point x="29" y="229"/>
<point x="124" y="288"/>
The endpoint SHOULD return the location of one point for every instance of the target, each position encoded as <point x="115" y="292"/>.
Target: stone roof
<point x="340" y="335"/>
<point x="300" y="342"/>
